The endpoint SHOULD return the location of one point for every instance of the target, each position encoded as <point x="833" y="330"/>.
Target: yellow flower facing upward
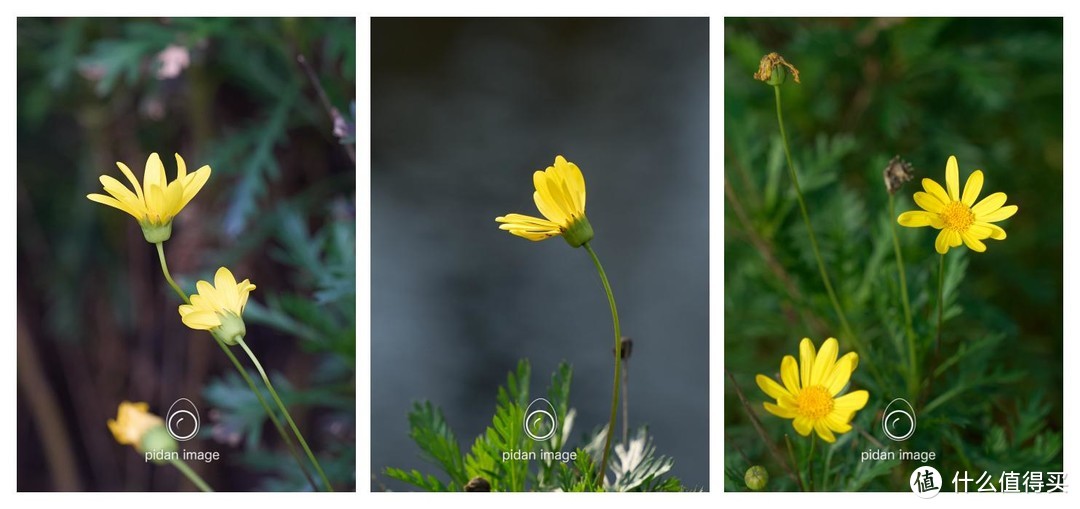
<point x="156" y="202"/>
<point x="136" y="426"/>
<point x="956" y="214"/>
<point x="219" y="308"/>
<point x="560" y="197"/>
<point x="810" y="394"/>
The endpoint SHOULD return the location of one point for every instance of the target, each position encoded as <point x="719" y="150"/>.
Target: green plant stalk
<point x="810" y="229"/>
<point x="243" y="373"/>
<point x="285" y="412"/>
<point x="810" y="460"/>
<point x="940" y="299"/>
<point x="794" y="463"/>
<point x="191" y="475"/>
<point x="913" y="361"/>
<point x="168" y="277"/>
<point x="618" y="360"/>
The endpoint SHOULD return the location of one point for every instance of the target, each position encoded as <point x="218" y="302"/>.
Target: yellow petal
<point x="226" y="287"/>
<point x="121" y="193"/>
<point x="783" y="413"/>
<point x="998" y="215"/>
<point x="803" y="425"/>
<point x="936" y="190"/>
<point x="941" y="243"/>
<point x="547" y="209"/>
<point x="972" y="188"/>
<point x="156" y="205"/>
<point x="839" y="376"/>
<point x="208" y="292"/>
<point x="193" y="183"/>
<point x="174" y="195"/>
<point x="836" y="424"/>
<point x="770" y="387"/>
<point x="851" y="402"/>
<point x="575" y="181"/>
<point x="824" y="362"/>
<point x="917" y="218"/>
<point x="154" y="174"/>
<point x="824" y="432"/>
<point x="245" y="287"/>
<point x="989" y="204"/>
<point x="553" y="207"/>
<point x="789" y="374"/>
<point x="131" y="178"/>
<point x="181" y="168"/>
<point x="112" y="202"/>
<point x="201" y="320"/>
<point x="928" y="202"/>
<point x="973" y="243"/>
<point x="996" y="232"/>
<point x="806" y="360"/>
<point x="952" y="179"/>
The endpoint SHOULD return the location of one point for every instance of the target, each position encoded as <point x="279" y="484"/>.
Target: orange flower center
<point x="814" y="402"/>
<point x="957" y="216"/>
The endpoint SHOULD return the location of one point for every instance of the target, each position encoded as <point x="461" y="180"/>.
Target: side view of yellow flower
<point x="810" y="394"/>
<point x="156" y="202"/>
<point x="560" y="197"/>
<point x="956" y="214"/>
<point x="133" y="421"/>
<point x="219" y="308"/>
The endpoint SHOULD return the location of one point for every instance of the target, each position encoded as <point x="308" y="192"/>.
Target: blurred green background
<point x="96" y="322"/>
<point x="986" y="90"/>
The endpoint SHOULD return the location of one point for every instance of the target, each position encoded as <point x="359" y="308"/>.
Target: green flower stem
<point x="243" y="374"/>
<point x="794" y="463"/>
<point x="273" y="418"/>
<point x="618" y="359"/>
<point x="810" y="229"/>
<point x="940" y="298"/>
<point x="285" y="412"/>
<point x="165" y="270"/>
<point x="190" y="474"/>
<point x="913" y="362"/>
<point x="810" y="460"/>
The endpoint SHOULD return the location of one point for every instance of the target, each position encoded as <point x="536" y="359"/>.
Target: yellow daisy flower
<point x="156" y="202"/>
<point x="810" y="395"/>
<point x="956" y="214"/>
<point x="219" y="308"/>
<point x="136" y="426"/>
<point x="560" y="197"/>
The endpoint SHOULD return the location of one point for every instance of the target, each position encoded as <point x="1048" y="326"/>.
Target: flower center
<point x="814" y="402"/>
<point x="957" y="216"/>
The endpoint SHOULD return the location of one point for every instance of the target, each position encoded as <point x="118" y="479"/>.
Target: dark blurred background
<point x="463" y="112"/>
<point x="96" y="322"/>
<point x="987" y="90"/>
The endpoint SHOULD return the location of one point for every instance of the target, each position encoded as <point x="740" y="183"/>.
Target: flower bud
<point x="773" y="70"/>
<point x="231" y="330"/>
<point x="157" y="440"/>
<point x="756" y="477"/>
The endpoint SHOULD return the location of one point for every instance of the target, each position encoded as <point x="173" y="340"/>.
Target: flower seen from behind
<point x="136" y="426"/>
<point x="156" y="201"/>
<point x="956" y="214"/>
<point x="560" y="198"/>
<point x="810" y="393"/>
<point x="219" y="308"/>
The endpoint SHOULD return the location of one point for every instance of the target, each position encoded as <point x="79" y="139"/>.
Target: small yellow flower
<point x="560" y="197"/>
<point x="810" y="395"/>
<point x="219" y="308"/>
<point x="133" y="421"/>
<point x="956" y="214"/>
<point x="156" y="202"/>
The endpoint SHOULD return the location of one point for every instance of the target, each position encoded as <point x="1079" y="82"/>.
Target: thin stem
<point x="165" y="270"/>
<point x="791" y="454"/>
<point x="810" y="460"/>
<point x="285" y="412"/>
<point x="270" y="413"/>
<point x="940" y="299"/>
<point x="243" y="373"/>
<point x="626" y="401"/>
<point x="913" y="362"/>
<point x="810" y="229"/>
<point x="191" y="475"/>
<point x="618" y="359"/>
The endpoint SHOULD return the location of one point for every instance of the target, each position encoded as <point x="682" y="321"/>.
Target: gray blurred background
<point x="463" y="111"/>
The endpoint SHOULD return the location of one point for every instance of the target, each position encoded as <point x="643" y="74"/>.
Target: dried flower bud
<point x="772" y="70"/>
<point x="626" y="347"/>
<point x="896" y="173"/>
<point x="478" y="484"/>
